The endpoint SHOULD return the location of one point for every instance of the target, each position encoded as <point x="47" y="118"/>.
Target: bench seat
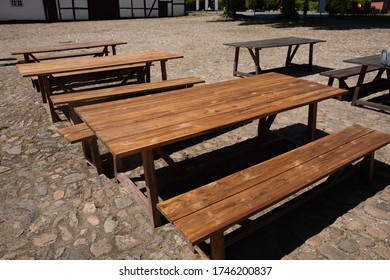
<point x="133" y="67"/>
<point x="77" y="98"/>
<point x="82" y="133"/>
<point x="125" y="90"/>
<point x="343" y="74"/>
<point x="206" y="212"/>
<point x="61" y="55"/>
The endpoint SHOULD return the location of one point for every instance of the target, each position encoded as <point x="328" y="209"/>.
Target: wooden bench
<point x="75" y="99"/>
<point x="139" y="69"/>
<point x="206" y="212"/>
<point x="343" y="74"/>
<point x="81" y="133"/>
<point x="64" y="55"/>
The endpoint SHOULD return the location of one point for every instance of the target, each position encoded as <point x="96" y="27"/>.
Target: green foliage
<point x="313" y="5"/>
<point x="348" y="7"/>
<point x="273" y="4"/>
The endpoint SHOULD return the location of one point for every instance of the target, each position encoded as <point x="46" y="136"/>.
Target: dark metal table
<point x="365" y="61"/>
<point x="254" y="48"/>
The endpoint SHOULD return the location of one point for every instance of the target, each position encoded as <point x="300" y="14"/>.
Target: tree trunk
<point x="289" y="11"/>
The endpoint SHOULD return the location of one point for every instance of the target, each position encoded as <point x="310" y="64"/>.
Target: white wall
<point x="31" y="10"/>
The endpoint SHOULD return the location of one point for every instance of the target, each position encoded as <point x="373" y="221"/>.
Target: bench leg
<point x="368" y="165"/>
<point x="359" y="84"/>
<point x="151" y="186"/>
<point x="95" y="154"/>
<point x="236" y="56"/>
<point x="312" y="122"/>
<point x="91" y="153"/>
<point x="217" y="246"/>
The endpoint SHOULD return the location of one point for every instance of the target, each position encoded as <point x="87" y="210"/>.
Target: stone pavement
<point x="54" y="206"/>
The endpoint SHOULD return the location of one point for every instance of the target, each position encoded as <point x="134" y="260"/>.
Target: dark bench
<point x="207" y="212"/>
<point x="75" y="99"/>
<point x="81" y="133"/>
<point x="343" y="74"/>
<point x="133" y="68"/>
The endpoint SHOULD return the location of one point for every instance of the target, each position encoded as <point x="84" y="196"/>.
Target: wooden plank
<point x="187" y="203"/>
<point x="66" y="47"/>
<point x="246" y="203"/>
<point x="275" y="42"/>
<point x="66" y="65"/>
<point x="76" y="133"/>
<point x="348" y="72"/>
<point x="211" y="101"/>
<point x="159" y="136"/>
<point x="212" y="89"/>
<point x="124" y="90"/>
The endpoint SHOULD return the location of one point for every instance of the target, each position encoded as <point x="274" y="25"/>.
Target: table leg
<point x="312" y="122"/>
<point x="291" y="54"/>
<point x="151" y="186"/>
<point x="311" y="57"/>
<point x="356" y="93"/>
<point x="42" y="89"/>
<point x="113" y="50"/>
<point x="256" y="59"/>
<point x="236" y="56"/>
<point x="264" y="126"/>
<point x="47" y="91"/>
<point x="163" y="69"/>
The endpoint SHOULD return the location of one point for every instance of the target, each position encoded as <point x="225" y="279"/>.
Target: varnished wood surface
<point x="65" y="47"/>
<point x="76" y="133"/>
<point x="225" y="202"/>
<point x="131" y="125"/>
<point x="124" y="90"/>
<point x="64" y="65"/>
<point x="273" y="43"/>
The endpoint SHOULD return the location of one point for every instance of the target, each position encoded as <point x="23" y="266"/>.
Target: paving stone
<point x="45" y="239"/>
<point x="110" y="224"/>
<point x="376" y="212"/>
<point x="27" y="204"/>
<point x="77" y="255"/>
<point x="101" y="247"/>
<point x="123" y="202"/>
<point x="348" y="245"/>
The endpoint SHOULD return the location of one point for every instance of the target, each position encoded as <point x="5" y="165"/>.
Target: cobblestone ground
<point x="54" y="206"/>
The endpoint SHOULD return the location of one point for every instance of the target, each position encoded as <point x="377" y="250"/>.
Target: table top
<point x="277" y="42"/>
<point x="65" y="47"/>
<point x="64" y="66"/>
<point x="132" y="125"/>
<point x="373" y="60"/>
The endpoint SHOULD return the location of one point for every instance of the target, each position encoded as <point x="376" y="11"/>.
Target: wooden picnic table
<point x="365" y="62"/>
<point x="30" y="53"/>
<point x="148" y="123"/>
<point x="46" y="70"/>
<point x="254" y="48"/>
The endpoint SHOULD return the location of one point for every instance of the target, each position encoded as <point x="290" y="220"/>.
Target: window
<point x="16" y="3"/>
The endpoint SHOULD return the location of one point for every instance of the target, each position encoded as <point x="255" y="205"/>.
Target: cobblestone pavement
<point x="54" y="206"/>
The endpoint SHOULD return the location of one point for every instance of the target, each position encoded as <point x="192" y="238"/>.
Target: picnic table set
<point x="143" y="117"/>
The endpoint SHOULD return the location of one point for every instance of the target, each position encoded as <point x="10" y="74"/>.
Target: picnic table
<point x="254" y="48"/>
<point x="147" y="123"/>
<point x="30" y="53"/>
<point x="366" y="62"/>
<point x="46" y="70"/>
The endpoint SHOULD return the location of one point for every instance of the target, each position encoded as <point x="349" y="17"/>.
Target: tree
<point x="288" y="10"/>
<point x="231" y="6"/>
